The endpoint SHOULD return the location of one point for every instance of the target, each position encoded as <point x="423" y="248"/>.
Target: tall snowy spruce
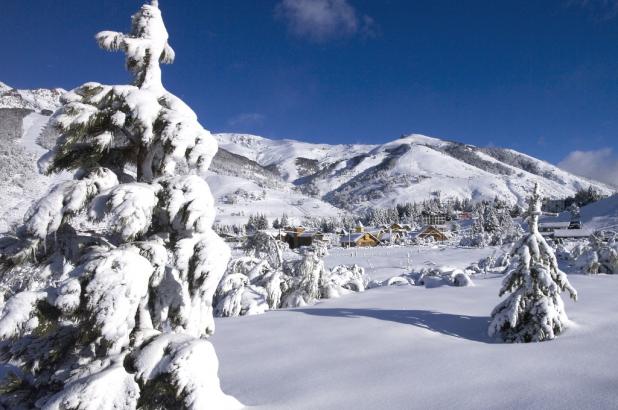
<point x="534" y="311"/>
<point x="109" y="283"/>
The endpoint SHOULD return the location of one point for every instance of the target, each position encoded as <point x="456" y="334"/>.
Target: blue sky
<point x="537" y="76"/>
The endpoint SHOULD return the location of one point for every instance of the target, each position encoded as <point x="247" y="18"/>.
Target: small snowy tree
<point x="600" y="255"/>
<point x="123" y="258"/>
<point x="305" y="277"/>
<point x="534" y="311"/>
<point x="263" y="245"/>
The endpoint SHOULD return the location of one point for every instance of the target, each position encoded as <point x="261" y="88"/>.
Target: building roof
<point x="355" y="237"/>
<point x="572" y="233"/>
<point x="555" y="225"/>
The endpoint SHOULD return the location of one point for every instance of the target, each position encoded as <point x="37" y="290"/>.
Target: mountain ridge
<point x="253" y="174"/>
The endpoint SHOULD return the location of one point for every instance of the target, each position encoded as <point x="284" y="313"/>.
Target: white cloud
<point x="322" y="20"/>
<point x="601" y="165"/>
<point x="246" y="119"/>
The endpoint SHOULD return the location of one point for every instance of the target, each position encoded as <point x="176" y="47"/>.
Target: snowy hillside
<point x="24" y="115"/>
<point x="409" y="169"/>
<point x="252" y="174"/>
<point x="36" y="100"/>
<point x="598" y="215"/>
<point x="237" y="198"/>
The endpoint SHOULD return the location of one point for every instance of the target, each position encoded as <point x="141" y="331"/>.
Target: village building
<point x="300" y="236"/>
<point x="433" y="219"/>
<point x="437" y="233"/>
<point x="391" y="237"/>
<point x="359" y="239"/>
<point x="548" y="228"/>
<point x="571" y="233"/>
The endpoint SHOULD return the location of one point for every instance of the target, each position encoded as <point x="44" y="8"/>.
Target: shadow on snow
<point x="472" y="328"/>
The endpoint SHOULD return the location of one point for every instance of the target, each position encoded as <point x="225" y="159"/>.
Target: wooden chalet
<point x="359" y="239"/>
<point x="299" y="237"/>
<point x="432" y="231"/>
<point x="400" y="227"/>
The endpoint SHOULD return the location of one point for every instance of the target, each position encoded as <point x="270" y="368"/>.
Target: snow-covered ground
<point x="413" y="347"/>
<point x="384" y="262"/>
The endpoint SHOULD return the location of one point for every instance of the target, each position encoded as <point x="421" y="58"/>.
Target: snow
<point x="402" y="347"/>
<point x="382" y="263"/>
<point x="17" y="314"/>
<point x="109" y="388"/>
<point x="32" y="127"/>
<point x="192" y="365"/>
<point x="364" y="176"/>
<point x="36" y="99"/>
<point x="262" y="200"/>
<point x="120" y="279"/>
<point x="601" y="215"/>
<point x="284" y="152"/>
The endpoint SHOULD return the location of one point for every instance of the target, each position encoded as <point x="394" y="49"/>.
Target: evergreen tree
<point x="285" y="222"/>
<point x="534" y="311"/>
<point x="121" y="266"/>
<point x="305" y="277"/>
<point x="264" y="246"/>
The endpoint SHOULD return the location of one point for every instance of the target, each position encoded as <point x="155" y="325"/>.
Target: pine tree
<point x="534" y="311"/>
<point x="122" y="262"/>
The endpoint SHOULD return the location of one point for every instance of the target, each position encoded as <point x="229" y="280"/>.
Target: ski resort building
<point x="548" y="228"/>
<point x="572" y="233"/>
<point x="299" y="237"/>
<point x="433" y="219"/>
<point x="359" y="239"/>
<point x="434" y="232"/>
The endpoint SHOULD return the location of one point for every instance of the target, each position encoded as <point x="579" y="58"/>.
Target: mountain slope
<point x="252" y="174"/>
<point x="412" y="168"/>
<point x="24" y="115"/>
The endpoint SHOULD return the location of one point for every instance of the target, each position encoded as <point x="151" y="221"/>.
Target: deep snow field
<point x="409" y="347"/>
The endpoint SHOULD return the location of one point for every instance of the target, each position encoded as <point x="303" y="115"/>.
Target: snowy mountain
<point x="252" y="174"/>
<point x="39" y="100"/>
<point x="409" y="169"/>
<point x="24" y="117"/>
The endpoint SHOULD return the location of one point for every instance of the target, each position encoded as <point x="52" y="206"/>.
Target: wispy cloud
<point x="247" y="119"/>
<point x="601" y="165"/>
<point x="323" y="20"/>
<point x="600" y="9"/>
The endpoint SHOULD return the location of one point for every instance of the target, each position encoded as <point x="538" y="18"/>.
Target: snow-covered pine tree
<point x="534" y="311"/>
<point x="305" y="276"/>
<point x="263" y="245"/>
<point x="122" y="260"/>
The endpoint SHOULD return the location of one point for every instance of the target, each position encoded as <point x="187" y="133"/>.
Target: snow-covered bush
<point x="342" y="280"/>
<point x="252" y="286"/>
<point x="491" y="263"/>
<point x="305" y="276"/>
<point x="126" y="263"/>
<point x="600" y="256"/>
<point x="534" y="311"/>
<point x="432" y="277"/>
